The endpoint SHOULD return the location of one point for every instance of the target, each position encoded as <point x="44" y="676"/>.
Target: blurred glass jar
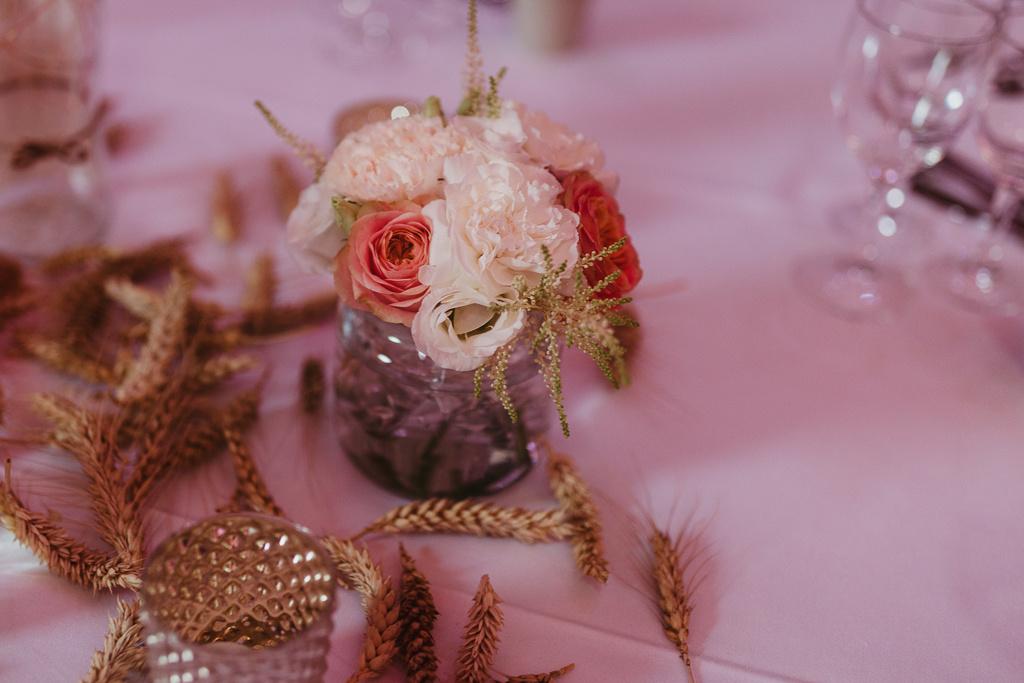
<point x="52" y="194"/>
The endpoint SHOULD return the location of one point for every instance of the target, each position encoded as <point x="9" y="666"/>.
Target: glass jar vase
<point x="417" y="429"/>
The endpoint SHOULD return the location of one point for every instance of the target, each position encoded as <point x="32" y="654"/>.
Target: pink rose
<point x="378" y="269"/>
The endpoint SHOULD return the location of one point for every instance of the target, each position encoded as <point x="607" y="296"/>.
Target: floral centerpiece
<point x="486" y="231"/>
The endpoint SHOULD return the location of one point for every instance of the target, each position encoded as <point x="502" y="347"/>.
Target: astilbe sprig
<point x="580" y="319"/>
<point x="472" y="75"/>
<point x="307" y="151"/>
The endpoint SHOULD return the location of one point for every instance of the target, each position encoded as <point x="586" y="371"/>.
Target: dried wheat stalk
<point x="139" y="301"/>
<point x="446" y="516"/>
<point x="418" y="612"/>
<point x="251" y="490"/>
<point x="312" y="386"/>
<point x="542" y="678"/>
<point x="161" y="427"/>
<point x="69" y="422"/>
<point x="92" y="440"/>
<point x="81" y="301"/>
<point x="63" y="555"/>
<point x="59" y="356"/>
<point x="11" y="277"/>
<point x="75" y="257"/>
<point x="155" y="258"/>
<point x="673" y="591"/>
<point x="123" y="651"/>
<point x="81" y="308"/>
<point x="144" y="303"/>
<point x="166" y="338"/>
<point x="286" y="186"/>
<point x="203" y="435"/>
<point x="357" y="571"/>
<point x="217" y="370"/>
<point x="225" y="209"/>
<point x="261" y="285"/>
<point x="12" y="307"/>
<point x="288" y="317"/>
<point x="574" y="496"/>
<point x="480" y="638"/>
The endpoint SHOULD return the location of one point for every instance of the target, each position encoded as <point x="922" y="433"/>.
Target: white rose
<point x="458" y="329"/>
<point x="558" y="147"/>
<point x="313" y="237"/>
<point x="494" y="219"/>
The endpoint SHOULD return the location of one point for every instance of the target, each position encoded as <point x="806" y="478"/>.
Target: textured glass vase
<point x="416" y="428"/>
<point x="238" y="598"/>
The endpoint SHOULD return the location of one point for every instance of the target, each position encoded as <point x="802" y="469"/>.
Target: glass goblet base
<point x="852" y="286"/>
<point x="906" y="231"/>
<point x="980" y="285"/>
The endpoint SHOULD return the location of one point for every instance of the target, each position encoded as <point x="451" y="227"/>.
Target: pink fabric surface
<point x="861" y="483"/>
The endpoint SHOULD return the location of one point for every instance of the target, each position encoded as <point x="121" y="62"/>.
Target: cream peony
<point x="495" y="217"/>
<point x="563" y="150"/>
<point x="503" y="136"/>
<point x="313" y="237"/>
<point x="457" y="327"/>
<point x="394" y="160"/>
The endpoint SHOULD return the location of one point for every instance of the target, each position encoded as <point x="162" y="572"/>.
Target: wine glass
<point x="980" y="280"/>
<point x="909" y="79"/>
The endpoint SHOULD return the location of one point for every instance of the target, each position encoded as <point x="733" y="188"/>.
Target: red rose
<point x="601" y="225"/>
<point x="378" y="269"/>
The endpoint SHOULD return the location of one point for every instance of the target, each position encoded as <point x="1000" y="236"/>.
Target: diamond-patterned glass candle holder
<point x="238" y="597"/>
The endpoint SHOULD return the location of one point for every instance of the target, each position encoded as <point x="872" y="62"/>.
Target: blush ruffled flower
<point x="390" y="161"/>
<point x="562" y="149"/>
<point x="314" y="239"/>
<point x="495" y="218"/>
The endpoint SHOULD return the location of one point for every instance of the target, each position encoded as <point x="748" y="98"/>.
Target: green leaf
<point x="344" y="213"/>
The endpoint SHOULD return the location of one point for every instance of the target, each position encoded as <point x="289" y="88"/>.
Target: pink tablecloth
<point x="861" y="483"/>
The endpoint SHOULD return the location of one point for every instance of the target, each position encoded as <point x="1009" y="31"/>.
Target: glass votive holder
<point x="52" y="194"/>
<point x="239" y="598"/>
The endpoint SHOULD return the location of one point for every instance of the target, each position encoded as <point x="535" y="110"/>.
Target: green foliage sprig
<point x="493" y="99"/>
<point x="580" y="319"/>
<point x="474" y="99"/>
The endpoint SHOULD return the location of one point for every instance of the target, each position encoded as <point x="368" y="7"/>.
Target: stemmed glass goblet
<point x="980" y="280"/>
<point x="910" y="75"/>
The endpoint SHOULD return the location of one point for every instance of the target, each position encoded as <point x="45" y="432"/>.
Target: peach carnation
<point x="394" y="160"/>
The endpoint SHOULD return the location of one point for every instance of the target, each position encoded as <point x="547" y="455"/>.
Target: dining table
<point x="854" y="487"/>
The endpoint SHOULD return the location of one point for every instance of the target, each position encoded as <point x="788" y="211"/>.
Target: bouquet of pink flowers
<point x="476" y="230"/>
